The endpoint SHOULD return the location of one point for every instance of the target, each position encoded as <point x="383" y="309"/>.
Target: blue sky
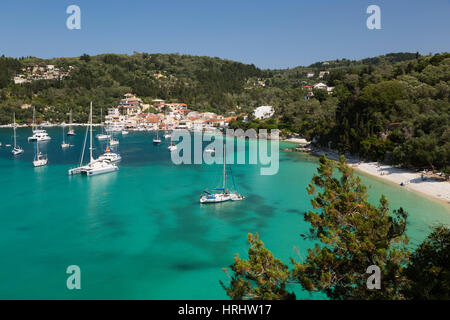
<point x="269" y="34"/>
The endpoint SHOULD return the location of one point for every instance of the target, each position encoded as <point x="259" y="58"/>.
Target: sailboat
<point x="172" y="146"/>
<point x="95" y="166"/>
<point x="221" y="194"/>
<point x="71" y="132"/>
<point x="16" y="150"/>
<point x="103" y="135"/>
<point x="39" y="159"/>
<point x="38" y="134"/>
<point x="64" y="144"/>
<point x="112" y="141"/>
<point x="157" y="140"/>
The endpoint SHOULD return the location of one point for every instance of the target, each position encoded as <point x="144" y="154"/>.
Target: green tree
<point x="261" y="277"/>
<point x="429" y="269"/>
<point x="353" y="235"/>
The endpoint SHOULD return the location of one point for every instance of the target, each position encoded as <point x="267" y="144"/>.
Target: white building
<point x="264" y="112"/>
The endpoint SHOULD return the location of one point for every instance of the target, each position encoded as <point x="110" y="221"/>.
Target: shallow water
<point x="140" y="233"/>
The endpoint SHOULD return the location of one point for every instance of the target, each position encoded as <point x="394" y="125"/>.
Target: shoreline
<point x="430" y="186"/>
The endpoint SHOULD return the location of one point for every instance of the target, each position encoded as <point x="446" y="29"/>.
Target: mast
<point x="34" y="119"/>
<point x="70" y="120"/>
<point x="101" y="120"/>
<point x="90" y="148"/>
<point x="15" y="140"/>
<point x="224" y="167"/>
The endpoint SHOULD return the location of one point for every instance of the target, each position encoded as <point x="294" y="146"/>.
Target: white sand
<point x="297" y="140"/>
<point x="413" y="180"/>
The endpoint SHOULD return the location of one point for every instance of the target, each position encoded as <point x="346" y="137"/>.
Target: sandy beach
<point x="411" y="180"/>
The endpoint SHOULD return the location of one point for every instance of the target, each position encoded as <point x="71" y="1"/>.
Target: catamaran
<point x="71" y="132"/>
<point x="16" y="150"/>
<point x="39" y="159"/>
<point x="221" y="194"/>
<point x="103" y="135"/>
<point x="95" y="166"/>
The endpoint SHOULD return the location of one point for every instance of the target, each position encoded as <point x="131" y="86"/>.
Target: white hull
<point x="215" y="198"/>
<point x="172" y="148"/>
<point x="65" y="145"/>
<point x="103" y="136"/>
<point x="40" y="163"/>
<point x="110" y="156"/>
<point x="17" y="151"/>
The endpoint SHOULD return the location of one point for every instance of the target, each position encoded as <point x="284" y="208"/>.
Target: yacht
<point x="221" y="194"/>
<point x="16" y="150"/>
<point x="39" y="135"/>
<point x="71" y="132"/>
<point x="110" y="156"/>
<point x="40" y="160"/>
<point x="95" y="166"/>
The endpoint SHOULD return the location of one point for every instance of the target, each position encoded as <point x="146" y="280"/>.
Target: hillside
<point x="393" y="107"/>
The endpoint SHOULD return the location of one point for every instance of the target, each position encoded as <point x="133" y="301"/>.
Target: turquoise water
<point x="140" y="233"/>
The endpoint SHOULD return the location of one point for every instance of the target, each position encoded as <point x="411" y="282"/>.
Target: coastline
<point x="429" y="187"/>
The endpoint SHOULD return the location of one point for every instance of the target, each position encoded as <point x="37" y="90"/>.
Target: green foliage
<point x="428" y="272"/>
<point x="401" y="92"/>
<point x="353" y="235"/>
<point x="261" y="277"/>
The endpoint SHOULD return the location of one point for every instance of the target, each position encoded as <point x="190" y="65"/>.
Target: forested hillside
<point x="393" y="107"/>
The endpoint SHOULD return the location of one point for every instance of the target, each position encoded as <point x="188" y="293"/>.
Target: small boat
<point x="40" y="160"/>
<point x="16" y="150"/>
<point x="113" y="142"/>
<point x="95" y="166"/>
<point x="157" y="140"/>
<point x="210" y="150"/>
<point x="103" y="135"/>
<point x="64" y="145"/>
<point x="124" y="132"/>
<point x="71" y="132"/>
<point x="167" y="135"/>
<point x="110" y="156"/>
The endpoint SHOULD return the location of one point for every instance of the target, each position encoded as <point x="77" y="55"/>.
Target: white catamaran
<point x="95" y="166"/>
<point x="16" y="150"/>
<point x="221" y="194"/>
